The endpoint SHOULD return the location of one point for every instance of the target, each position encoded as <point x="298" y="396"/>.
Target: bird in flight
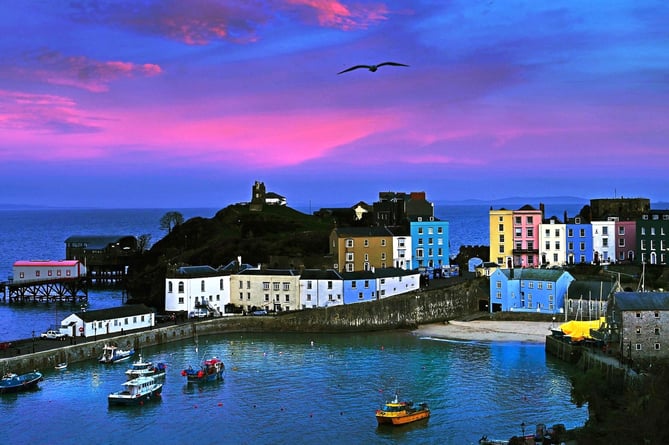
<point x="372" y="68"/>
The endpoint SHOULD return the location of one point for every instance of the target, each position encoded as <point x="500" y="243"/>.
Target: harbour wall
<point x="405" y="311"/>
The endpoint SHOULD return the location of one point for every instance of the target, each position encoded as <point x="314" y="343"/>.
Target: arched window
<point x="181" y="287"/>
<point x="202" y="286"/>
<point x="169" y="286"/>
<point x="221" y="284"/>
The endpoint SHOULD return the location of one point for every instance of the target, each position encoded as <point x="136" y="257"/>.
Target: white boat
<point x="113" y="354"/>
<point x="60" y="366"/>
<point x="141" y="368"/>
<point x="136" y="392"/>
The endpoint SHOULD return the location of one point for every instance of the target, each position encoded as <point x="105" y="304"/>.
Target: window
<point x="275" y="286"/>
<point x="349" y="242"/>
<point x="366" y="284"/>
<point x="383" y="256"/>
<point x="241" y="284"/>
<point x="169" y="287"/>
<point x="549" y="286"/>
<point x="657" y="346"/>
<point x="501" y="238"/>
<point x="530" y="220"/>
<point x="500" y="228"/>
<point x="383" y="242"/>
<point x="657" y="331"/>
<point x="621" y="242"/>
<point x="329" y="285"/>
<point x="286" y="286"/>
<point x="265" y="285"/>
<point x="349" y="267"/>
<point x="498" y="284"/>
<point x="621" y="230"/>
<point x="220" y="284"/>
<point x="440" y="230"/>
<point x="37" y="272"/>
<point x="570" y="232"/>
<point x="530" y="232"/>
<point x="202" y="286"/>
<point x="638" y="346"/>
<point x="638" y="330"/>
<point x="181" y="287"/>
<point x="518" y="220"/>
<point x="360" y="296"/>
<point x="350" y="257"/>
<point x="656" y="314"/>
<point x="287" y="298"/>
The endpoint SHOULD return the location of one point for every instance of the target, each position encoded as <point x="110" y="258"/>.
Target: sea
<point x="279" y="388"/>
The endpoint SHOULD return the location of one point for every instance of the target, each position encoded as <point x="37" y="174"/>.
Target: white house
<point x="321" y="288"/>
<point x="552" y="243"/>
<point x="108" y="321"/>
<point x="603" y="240"/>
<point x="198" y="287"/>
<point x="393" y="281"/>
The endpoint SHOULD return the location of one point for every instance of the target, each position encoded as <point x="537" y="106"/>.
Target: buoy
<point x="220" y="404"/>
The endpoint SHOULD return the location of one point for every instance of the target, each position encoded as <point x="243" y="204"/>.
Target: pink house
<point x="526" y="222"/>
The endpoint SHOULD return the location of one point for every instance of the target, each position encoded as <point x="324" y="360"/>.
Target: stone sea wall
<point x="399" y="312"/>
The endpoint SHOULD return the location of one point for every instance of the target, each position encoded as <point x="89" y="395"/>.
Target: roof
<point x="641" y="301"/>
<point x="277" y="272"/>
<point x="97" y="241"/>
<point x="358" y="275"/>
<point x="318" y="274"/>
<point x="590" y="290"/>
<point x="534" y="274"/>
<point x="45" y="263"/>
<point x="114" y="312"/>
<point x="393" y="272"/>
<point x="196" y="270"/>
<point x="363" y="231"/>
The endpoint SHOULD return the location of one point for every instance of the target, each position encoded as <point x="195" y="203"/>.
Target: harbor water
<point x="305" y="389"/>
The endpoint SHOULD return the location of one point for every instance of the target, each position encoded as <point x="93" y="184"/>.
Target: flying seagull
<point x="372" y="68"/>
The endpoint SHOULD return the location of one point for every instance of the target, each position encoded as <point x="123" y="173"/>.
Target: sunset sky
<point x="175" y="103"/>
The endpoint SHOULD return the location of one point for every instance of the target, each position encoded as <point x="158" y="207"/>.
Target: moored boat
<point x="211" y="370"/>
<point x="136" y="392"/>
<point x="398" y="412"/>
<point x="60" y="366"/>
<point x="141" y="368"/>
<point x="11" y="382"/>
<point x="113" y="354"/>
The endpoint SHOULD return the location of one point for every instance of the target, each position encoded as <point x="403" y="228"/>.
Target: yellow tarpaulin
<point x="580" y="330"/>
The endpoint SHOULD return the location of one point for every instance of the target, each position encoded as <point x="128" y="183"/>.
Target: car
<point x="198" y="313"/>
<point x="259" y="312"/>
<point x="52" y="334"/>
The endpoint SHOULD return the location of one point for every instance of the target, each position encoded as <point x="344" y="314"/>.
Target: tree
<point x="170" y="220"/>
<point x="143" y="242"/>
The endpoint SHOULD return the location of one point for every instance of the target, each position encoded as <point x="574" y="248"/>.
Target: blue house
<point x="529" y="290"/>
<point x="359" y="286"/>
<point x="579" y="241"/>
<point x="430" y="244"/>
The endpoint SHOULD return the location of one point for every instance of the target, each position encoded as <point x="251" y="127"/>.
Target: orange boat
<point x="399" y="413"/>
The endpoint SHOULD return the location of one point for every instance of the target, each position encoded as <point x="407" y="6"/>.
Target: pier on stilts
<point x="73" y="290"/>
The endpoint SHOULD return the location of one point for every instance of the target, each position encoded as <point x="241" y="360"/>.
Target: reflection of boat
<point x="11" y="382"/>
<point x="398" y="412"/>
<point x="136" y="392"/>
<point x="60" y="366"/>
<point x="113" y="354"/>
<point x="140" y="368"/>
<point x="210" y="370"/>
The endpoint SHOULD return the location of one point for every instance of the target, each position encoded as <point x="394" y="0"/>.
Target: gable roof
<point x="127" y="310"/>
<point x="641" y="301"/>
<point x="534" y="274"/>
<point x="590" y="289"/>
<point x="362" y="231"/>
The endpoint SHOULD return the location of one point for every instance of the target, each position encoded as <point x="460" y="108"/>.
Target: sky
<point x="174" y="103"/>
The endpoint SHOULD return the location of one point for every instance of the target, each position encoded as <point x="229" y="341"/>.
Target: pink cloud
<point x="82" y="72"/>
<point x="335" y="14"/>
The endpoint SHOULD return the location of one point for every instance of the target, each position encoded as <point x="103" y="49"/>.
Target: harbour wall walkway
<point x="444" y="300"/>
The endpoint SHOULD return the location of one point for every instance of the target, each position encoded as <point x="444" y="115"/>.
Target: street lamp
<point x="522" y="428"/>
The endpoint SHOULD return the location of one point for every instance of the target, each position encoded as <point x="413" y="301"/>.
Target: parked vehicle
<point x="198" y="313"/>
<point x="52" y="334"/>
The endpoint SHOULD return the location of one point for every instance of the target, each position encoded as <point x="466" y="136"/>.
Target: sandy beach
<point x="488" y="330"/>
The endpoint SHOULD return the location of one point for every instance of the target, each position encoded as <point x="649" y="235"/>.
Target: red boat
<point x="210" y="370"/>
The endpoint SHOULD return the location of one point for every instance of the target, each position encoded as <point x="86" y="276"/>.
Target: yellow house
<point x="268" y="289"/>
<point x="361" y="248"/>
<point x="501" y="237"/>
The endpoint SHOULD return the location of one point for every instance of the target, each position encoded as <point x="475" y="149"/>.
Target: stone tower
<point x="257" y="197"/>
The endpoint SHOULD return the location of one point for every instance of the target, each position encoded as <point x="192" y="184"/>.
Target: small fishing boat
<point x="11" y="382"/>
<point x="141" y="368"/>
<point x="136" y="392"/>
<point x="398" y="412"/>
<point x="113" y="354"/>
<point x="211" y="370"/>
<point x="60" y="366"/>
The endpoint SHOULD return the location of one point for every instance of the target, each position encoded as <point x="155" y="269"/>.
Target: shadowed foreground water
<point x="281" y="389"/>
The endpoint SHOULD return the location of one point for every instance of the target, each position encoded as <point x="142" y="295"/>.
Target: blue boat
<point x="16" y="383"/>
<point x="113" y="354"/>
<point x="211" y="370"/>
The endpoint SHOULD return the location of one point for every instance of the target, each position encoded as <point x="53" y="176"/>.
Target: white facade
<point x="390" y="285"/>
<point x="552" y="243"/>
<point x="27" y="271"/>
<point x="402" y="252"/>
<point x="108" y="321"/>
<point x="603" y="241"/>
<point x="189" y="292"/>
<point x="321" y="292"/>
